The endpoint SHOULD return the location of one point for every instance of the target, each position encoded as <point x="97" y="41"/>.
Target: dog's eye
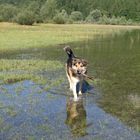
<point x="74" y="64"/>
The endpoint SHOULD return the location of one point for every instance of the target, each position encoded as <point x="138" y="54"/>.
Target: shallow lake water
<point x="109" y="110"/>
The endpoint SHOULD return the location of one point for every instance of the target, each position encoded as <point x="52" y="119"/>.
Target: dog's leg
<point x="71" y="86"/>
<point x="80" y="87"/>
<point x="70" y="83"/>
<point x="74" y="91"/>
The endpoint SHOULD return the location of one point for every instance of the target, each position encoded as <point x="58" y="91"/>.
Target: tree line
<point x="70" y="11"/>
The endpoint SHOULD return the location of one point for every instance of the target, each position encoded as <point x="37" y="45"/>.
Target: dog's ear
<point x="84" y="62"/>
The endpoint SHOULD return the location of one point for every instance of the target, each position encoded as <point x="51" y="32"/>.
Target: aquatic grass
<point x="135" y="100"/>
<point x="19" y="89"/>
<point x="31" y="138"/>
<point x="17" y="70"/>
<point x="2" y="89"/>
<point x="45" y="127"/>
<point x="54" y="83"/>
<point x="4" y="126"/>
<point x="1" y="105"/>
<point x="10" y="111"/>
<point x="28" y="65"/>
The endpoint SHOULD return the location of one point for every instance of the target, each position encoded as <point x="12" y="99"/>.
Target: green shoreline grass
<point x="15" y="37"/>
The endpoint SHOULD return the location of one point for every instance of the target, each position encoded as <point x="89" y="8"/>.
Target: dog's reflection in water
<point x="76" y="117"/>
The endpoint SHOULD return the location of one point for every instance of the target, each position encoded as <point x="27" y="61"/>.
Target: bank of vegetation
<point x="28" y="12"/>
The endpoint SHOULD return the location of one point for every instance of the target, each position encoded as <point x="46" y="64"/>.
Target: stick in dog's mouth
<point x="89" y="77"/>
<point x="85" y="75"/>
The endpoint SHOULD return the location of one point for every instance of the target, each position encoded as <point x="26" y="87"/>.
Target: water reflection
<point x="76" y="117"/>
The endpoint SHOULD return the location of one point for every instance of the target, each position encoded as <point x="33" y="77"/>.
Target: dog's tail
<point x="68" y="50"/>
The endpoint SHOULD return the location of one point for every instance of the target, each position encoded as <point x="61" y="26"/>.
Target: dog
<point x="76" y="70"/>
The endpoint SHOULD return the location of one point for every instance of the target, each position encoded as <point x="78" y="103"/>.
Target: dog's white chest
<point x="74" y="80"/>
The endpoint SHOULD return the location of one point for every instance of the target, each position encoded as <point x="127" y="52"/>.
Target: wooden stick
<point x="89" y="77"/>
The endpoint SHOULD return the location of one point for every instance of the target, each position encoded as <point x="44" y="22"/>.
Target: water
<point x="116" y="62"/>
<point x="110" y="109"/>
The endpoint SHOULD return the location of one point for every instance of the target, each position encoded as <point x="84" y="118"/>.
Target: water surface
<point x="110" y="109"/>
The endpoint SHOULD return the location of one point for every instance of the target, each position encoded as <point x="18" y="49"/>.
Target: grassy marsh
<point x="35" y="108"/>
<point x="14" y="37"/>
<point x="17" y="70"/>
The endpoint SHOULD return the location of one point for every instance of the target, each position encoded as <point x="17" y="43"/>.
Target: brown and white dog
<point x="76" y="69"/>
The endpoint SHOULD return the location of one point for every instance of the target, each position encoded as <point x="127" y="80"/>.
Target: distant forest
<point x="70" y="11"/>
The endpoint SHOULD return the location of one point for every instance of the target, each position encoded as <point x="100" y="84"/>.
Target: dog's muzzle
<point x="78" y="72"/>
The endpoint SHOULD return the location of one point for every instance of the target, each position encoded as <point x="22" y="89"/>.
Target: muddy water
<point x="109" y="110"/>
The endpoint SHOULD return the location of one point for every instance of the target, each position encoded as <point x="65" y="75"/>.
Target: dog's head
<point x="79" y="66"/>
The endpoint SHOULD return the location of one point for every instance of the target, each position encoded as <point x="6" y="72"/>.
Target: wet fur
<point x="76" y="68"/>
